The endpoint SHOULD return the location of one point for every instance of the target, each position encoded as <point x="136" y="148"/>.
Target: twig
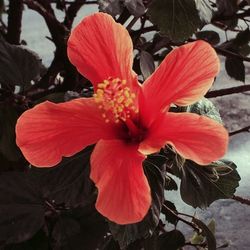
<point x="190" y="223"/>
<point x="230" y="53"/>
<point x="132" y="22"/>
<point x="228" y="91"/>
<point x="223" y="52"/>
<point x="231" y="17"/>
<point x="14" y="21"/>
<point x="69" y="2"/>
<point x="196" y="245"/>
<point x="246" y="129"/>
<point x="241" y="200"/>
<point x="71" y="12"/>
<point x="57" y="30"/>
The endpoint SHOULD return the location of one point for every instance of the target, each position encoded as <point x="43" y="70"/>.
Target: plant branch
<point x="190" y="223"/>
<point x="228" y="91"/>
<point x="231" y="17"/>
<point x="70" y="2"/>
<point x="246" y="129"/>
<point x="14" y="21"/>
<point x="55" y="27"/>
<point x="241" y="200"/>
<point x="224" y="52"/>
<point x="71" y="12"/>
<point x="230" y="53"/>
<point x="131" y="24"/>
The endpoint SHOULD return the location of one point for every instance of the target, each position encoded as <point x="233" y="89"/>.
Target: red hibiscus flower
<point x="125" y="119"/>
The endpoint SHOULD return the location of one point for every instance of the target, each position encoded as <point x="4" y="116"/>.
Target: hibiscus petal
<point x="123" y="190"/>
<point x="50" y="131"/>
<point x="185" y="75"/>
<point x="101" y="48"/>
<point x="195" y="137"/>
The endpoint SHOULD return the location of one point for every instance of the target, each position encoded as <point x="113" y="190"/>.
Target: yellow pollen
<point x="116" y="99"/>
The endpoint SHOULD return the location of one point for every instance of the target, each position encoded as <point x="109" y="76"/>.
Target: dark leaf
<point x="235" y="68"/>
<point x="110" y="244"/>
<point x="245" y="50"/>
<point x="178" y="19"/>
<point x="205" y="107"/>
<point x="146" y="64"/>
<point x="8" y="118"/>
<point x="21" y="209"/>
<point x="64" y="229"/>
<point x="202" y="185"/>
<point x="157" y="159"/>
<point x="93" y="228"/>
<point x="227" y="7"/>
<point x="151" y="242"/>
<point x="68" y="183"/>
<point x="54" y="97"/>
<point x="168" y="215"/>
<point x="242" y="38"/>
<point x="2" y="7"/>
<point x="126" y="234"/>
<point x="18" y="65"/>
<point x="207" y="233"/>
<point x="38" y="242"/>
<point x="170" y="184"/>
<point x="135" y="7"/>
<point x="174" y="161"/>
<point x="172" y="240"/>
<point x="209" y="36"/>
<point x="112" y="7"/>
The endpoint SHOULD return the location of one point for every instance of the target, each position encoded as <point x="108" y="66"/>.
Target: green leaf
<point x="8" y="118"/>
<point x="209" y="36"/>
<point x="202" y="185"/>
<point x="18" y="65"/>
<point x="179" y="19"/>
<point x="146" y="64"/>
<point x="199" y="238"/>
<point x="135" y="7"/>
<point x="235" y="68"/>
<point x="126" y="234"/>
<point x="205" y="107"/>
<point x="172" y="240"/>
<point x="206" y="232"/>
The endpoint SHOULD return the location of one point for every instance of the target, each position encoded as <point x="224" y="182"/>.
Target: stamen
<point x="116" y="99"/>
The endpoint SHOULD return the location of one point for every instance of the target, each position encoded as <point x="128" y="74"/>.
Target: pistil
<point x="116" y="100"/>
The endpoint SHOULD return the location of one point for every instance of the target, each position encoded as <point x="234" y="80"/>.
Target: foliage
<point x="53" y="208"/>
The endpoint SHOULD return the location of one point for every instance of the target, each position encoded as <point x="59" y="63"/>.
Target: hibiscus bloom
<point x="125" y="119"/>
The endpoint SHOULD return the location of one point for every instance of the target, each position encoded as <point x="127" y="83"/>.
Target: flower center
<point x="116" y="100"/>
